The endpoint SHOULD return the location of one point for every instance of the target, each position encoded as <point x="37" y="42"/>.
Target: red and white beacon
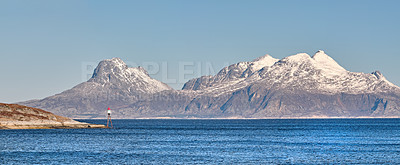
<point x="109" y="111"/>
<point x="109" y="118"/>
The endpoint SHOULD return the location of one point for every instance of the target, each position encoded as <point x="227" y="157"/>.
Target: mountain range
<point x="298" y="86"/>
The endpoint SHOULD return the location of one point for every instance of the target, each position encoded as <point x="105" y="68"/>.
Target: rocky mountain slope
<point x="113" y="84"/>
<point x="14" y="116"/>
<point x="296" y="86"/>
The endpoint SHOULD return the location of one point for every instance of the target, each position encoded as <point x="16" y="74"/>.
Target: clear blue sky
<point x="43" y="44"/>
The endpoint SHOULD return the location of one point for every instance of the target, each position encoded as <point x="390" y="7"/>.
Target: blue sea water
<point x="291" y="141"/>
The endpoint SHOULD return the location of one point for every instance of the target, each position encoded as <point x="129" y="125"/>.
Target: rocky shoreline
<point x="14" y="116"/>
<point x="46" y="125"/>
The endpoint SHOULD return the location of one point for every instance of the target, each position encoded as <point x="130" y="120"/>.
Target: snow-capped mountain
<point x="231" y="73"/>
<point x="114" y="73"/>
<point x="319" y="73"/>
<point x="113" y="83"/>
<point x="296" y="86"/>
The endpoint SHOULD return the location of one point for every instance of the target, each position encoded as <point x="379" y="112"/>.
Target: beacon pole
<point x="109" y="118"/>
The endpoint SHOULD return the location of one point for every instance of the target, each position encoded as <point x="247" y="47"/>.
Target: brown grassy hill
<point x="14" y="116"/>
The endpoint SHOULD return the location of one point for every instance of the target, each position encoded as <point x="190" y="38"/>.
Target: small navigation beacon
<point x="109" y="118"/>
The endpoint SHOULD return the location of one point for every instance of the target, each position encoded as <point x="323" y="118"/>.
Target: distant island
<point x="297" y="86"/>
<point x="14" y="116"/>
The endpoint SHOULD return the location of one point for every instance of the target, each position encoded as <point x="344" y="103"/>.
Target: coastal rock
<point x="14" y="116"/>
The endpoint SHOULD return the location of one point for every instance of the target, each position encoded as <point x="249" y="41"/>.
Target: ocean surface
<point x="281" y="141"/>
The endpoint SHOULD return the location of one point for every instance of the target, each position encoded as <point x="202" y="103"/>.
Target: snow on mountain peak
<point x="262" y="62"/>
<point x="115" y="72"/>
<point x="298" y="58"/>
<point x="262" y="58"/>
<point x="378" y="75"/>
<point x="116" y="62"/>
<point x="108" y="66"/>
<point x="327" y="64"/>
<point x="321" y="56"/>
<point x="115" y="59"/>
